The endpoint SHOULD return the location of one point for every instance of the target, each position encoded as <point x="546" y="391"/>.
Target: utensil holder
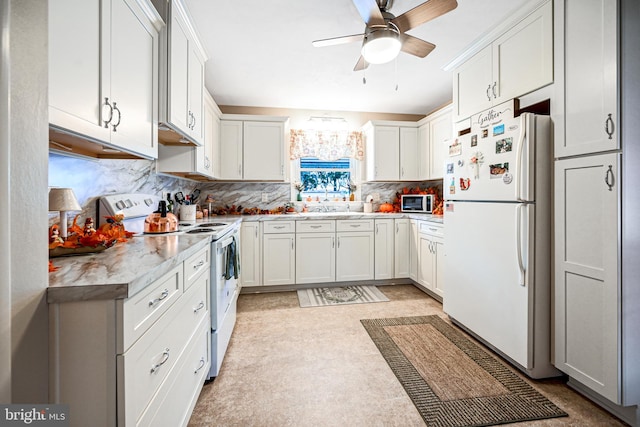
<point x="187" y="212"/>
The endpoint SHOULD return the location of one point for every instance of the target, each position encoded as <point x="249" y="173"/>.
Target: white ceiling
<point x="260" y="54"/>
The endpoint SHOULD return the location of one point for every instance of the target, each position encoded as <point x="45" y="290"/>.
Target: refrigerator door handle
<point x="519" y="244"/>
<point x="519" y="176"/>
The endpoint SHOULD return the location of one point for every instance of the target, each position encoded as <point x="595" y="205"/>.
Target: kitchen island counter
<point x="122" y="270"/>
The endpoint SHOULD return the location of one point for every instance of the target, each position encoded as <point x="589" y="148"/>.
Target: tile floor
<point x="292" y="366"/>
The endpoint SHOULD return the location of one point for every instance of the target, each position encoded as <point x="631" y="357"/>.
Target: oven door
<point x="223" y="290"/>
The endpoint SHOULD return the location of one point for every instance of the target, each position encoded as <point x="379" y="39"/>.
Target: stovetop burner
<point x="213" y="224"/>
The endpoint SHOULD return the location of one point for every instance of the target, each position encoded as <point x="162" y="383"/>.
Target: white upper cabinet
<point x="588" y="70"/>
<point x="93" y="46"/>
<point x="515" y="63"/>
<point x="393" y="151"/>
<point x="434" y="136"/>
<point x="252" y="150"/>
<point x="182" y="76"/>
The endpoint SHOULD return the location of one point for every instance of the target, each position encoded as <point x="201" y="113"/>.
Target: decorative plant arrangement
<point x="299" y="186"/>
<point x="352" y="189"/>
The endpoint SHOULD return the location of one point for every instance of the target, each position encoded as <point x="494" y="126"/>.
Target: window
<point x="325" y="180"/>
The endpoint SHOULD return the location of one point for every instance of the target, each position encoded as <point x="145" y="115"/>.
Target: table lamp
<point x="63" y="200"/>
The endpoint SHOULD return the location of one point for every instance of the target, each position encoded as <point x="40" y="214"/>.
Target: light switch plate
<point x="265" y="197"/>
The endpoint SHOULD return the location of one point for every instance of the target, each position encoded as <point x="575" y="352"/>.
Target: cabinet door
<point x="401" y="249"/>
<point x="263" y="151"/>
<point x="134" y="46"/>
<point x="384" y="249"/>
<point x="414" y="250"/>
<point x="438" y="282"/>
<point x="250" y="254"/>
<point x="215" y="147"/>
<point x="230" y="149"/>
<point x="586" y="265"/>
<point x="354" y="256"/>
<point x="386" y="153"/>
<point x="179" y="73"/>
<point x="472" y="85"/>
<point x="315" y="257"/>
<point x="424" y="152"/>
<point x="204" y="153"/>
<point x="426" y="262"/>
<point x="441" y="129"/>
<point x="523" y="56"/>
<point x="196" y="93"/>
<point x="409" y="155"/>
<point x="76" y="90"/>
<point x="590" y="78"/>
<point x="278" y="257"/>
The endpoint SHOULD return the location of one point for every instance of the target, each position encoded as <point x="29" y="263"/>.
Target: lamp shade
<point x="63" y="199"/>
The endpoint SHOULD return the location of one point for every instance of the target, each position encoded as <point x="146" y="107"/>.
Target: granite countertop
<point x="340" y="215"/>
<point x="122" y="270"/>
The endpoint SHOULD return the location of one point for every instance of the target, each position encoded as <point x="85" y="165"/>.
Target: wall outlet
<point x="265" y="197"/>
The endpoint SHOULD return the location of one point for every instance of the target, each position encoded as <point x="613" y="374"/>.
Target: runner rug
<point x="339" y="295"/>
<point x="450" y="379"/>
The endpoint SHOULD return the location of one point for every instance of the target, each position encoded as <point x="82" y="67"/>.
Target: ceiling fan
<point x="384" y="35"/>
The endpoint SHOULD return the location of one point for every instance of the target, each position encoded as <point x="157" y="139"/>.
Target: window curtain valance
<point x="326" y="144"/>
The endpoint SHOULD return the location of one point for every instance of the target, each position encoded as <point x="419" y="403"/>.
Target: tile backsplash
<point x="91" y="179"/>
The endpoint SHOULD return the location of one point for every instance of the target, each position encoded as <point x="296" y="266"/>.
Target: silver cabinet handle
<point x="198" y="265"/>
<point x="200" y="365"/>
<point x="207" y="163"/>
<point x="199" y="307"/>
<point x="292" y="242"/>
<point x="278" y="227"/>
<point x="165" y="357"/>
<point x="402" y="171"/>
<point x="376" y="171"/>
<point x="115" y="126"/>
<point x="256" y="232"/>
<point x="488" y="89"/>
<point x="193" y="126"/>
<point x="162" y="296"/>
<point x="397" y="228"/>
<point x="333" y="242"/>
<point x="433" y="229"/>
<point x="239" y="169"/>
<point x="377" y="228"/>
<point x="315" y="226"/>
<point x="609" y="173"/>
<point x="106" y="122"/>
<point x="607" y="124"/>
<point x="354" y="225"/>
<point x="338" y="242"/>
<point x="493" y="89"/>
<point x="282" y="170"/>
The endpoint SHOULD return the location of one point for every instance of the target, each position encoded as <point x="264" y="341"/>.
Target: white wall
<point x="28" y="155"/>
<point x="5" y="240"/>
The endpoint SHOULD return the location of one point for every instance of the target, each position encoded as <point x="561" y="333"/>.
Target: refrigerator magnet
<point x="452" y="186"/>
<point x="460" y="163"/>
<point x="465" y="183"/>
<point x="498" y="170"/>
<point x="507" y="178"/>
<point x="498" y="130"/>
<point x="485" y="133"/>
<point x="474" y="140"/>
<point x="504" y="145"/>
<point x="455" y="149"/>
<point x="476" y="161"/>
<point x="449" y="168"/>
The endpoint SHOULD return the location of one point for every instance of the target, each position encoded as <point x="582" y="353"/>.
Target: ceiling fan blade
<point x="423" y="13"/>
<point x="416" y="46"/>
<point x="370" y="12"/>
<point x="338" y="40"/>
<point x="361" y="65"/>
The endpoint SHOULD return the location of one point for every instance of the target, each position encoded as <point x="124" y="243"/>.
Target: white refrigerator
<point x="497" y="190"/>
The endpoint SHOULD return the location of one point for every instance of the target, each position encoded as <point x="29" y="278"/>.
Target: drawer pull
<point x="278" y="227"/>
<point x="433" y="229"/>
<point x="315" y="226"/>
<point x="200" y="366"/>
<point x="163" y="295"/>
<point x="165" y="357"/>
<point x="354" y="225"/>
<point x="198" y="265"/>
<point x="199" y="307"/>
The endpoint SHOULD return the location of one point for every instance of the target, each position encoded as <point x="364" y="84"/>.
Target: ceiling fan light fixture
<point x="381" y="45"/>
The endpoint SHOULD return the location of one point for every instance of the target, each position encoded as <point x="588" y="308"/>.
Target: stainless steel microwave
<point x="416" y="203"/>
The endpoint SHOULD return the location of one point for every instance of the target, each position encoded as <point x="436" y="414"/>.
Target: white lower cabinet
<point x="355" y="250"/>
<point x="384" y="249"/>
<point x="401" y="252"/>
<point x="413" y="250"/>
<point x="250" y="254"/>
<point x="134" y="362"/>
<point x="279" y="254"/>
<point x="430" y="253"/>
<point x="315" y="257"/>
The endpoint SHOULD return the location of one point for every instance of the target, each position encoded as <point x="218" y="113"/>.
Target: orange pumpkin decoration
<point x="386" y="207"/>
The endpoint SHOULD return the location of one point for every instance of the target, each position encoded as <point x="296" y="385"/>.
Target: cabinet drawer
<point x="144" y="367"/>
<point x="355" y="225"/>
<point x="315" y="226"/>
<point x="145" y="308"/>
<point x="183" y="385"/>
<point x="195" y="265"/>
<point x="271" y="227"/>
<point x="431" y="228"/>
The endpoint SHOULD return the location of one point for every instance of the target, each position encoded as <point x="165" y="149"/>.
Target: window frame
<point x="354" y="171"/>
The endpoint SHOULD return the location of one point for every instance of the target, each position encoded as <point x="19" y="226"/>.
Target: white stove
<point x="225" y="245"/>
